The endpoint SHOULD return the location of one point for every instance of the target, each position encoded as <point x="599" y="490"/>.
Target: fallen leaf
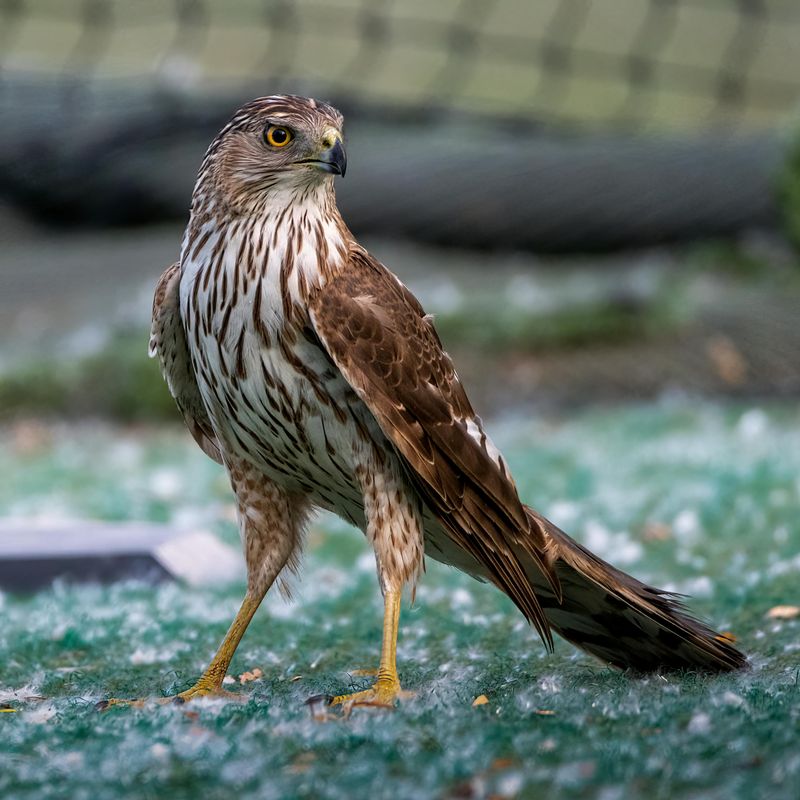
<point x="252" y="675"/>
<point x="657" y="532"/>
<point x="784" y="612"/>
<point x="107" y="705"/>
<point x="728" y="362"/>
<point x="586" y="769"/>
<point x="301" y="764"/>
<point x="544" y="712"/>
<point x="296" y="678"/>
<point x="480" y="700"/>
<point x="548" y="745"/>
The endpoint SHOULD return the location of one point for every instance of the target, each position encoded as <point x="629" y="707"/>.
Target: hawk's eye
<point x="277" y="136"/>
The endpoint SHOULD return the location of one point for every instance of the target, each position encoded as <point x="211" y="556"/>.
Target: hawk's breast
<point x="272" y="393"/>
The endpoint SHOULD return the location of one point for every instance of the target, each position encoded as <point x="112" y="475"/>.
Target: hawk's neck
<point x="289" y="243"/>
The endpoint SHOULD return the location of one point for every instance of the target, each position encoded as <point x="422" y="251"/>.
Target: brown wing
<point x="168" y="342"/>
<point x="388" y="350"/>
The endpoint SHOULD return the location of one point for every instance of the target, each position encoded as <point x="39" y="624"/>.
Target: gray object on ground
<point x="33" y="555"/>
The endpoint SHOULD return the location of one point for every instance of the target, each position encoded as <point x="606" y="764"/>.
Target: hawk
<point x="307" y="369"/>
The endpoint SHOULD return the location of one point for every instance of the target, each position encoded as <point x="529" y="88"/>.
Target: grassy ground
<point x="698" y="498"/>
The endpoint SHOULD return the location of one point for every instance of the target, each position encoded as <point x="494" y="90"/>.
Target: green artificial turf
<point x="694" y="497"/>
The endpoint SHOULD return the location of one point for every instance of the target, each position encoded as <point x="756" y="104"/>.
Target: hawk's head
<point x="276" y="143"/>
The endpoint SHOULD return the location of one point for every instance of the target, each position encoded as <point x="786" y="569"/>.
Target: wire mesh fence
<point x="586" y="126"/>
<point x="149" y="83"/>
<point x="630" y="63"/>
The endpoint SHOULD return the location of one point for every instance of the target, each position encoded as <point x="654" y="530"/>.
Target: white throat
<point x="293" y="243"/>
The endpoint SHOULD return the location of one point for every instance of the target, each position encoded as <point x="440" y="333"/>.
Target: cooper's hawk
<point x="307" y="369"/>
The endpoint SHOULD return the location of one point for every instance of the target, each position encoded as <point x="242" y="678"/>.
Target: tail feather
<point x="622" y="620"/>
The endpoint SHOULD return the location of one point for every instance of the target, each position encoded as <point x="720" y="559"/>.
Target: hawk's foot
<point x="384" y="693"/>
<point x="203" y="689"/>
<point x="200" y="689"/>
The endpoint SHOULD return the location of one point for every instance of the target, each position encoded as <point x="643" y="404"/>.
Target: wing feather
<point x="168" y="343"/>
<point x="379" y="337"/>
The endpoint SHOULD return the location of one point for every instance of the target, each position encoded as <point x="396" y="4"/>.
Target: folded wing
<point x="379" y="337"/>
<point x="168" y="343"/>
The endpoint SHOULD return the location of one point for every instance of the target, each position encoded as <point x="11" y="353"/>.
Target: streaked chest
<point x="262" y="267"/>
<point x="271" y="392"/>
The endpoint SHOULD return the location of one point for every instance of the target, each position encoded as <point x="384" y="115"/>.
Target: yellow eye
<point x="277" y="136"/>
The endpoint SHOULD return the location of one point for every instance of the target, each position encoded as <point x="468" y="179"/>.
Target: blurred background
<point x="596" y="202"/>
<point x="599" y="202"/>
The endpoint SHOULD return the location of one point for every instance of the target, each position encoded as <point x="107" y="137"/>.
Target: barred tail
<point x="621" y="620"/>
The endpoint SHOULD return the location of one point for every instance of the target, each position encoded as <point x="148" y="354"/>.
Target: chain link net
<point x="629" y="64"/>
<point x="585" y="125"/>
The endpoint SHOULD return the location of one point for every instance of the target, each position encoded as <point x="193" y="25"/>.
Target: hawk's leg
<point x="394" y="527"/>
<point x="386" y="688"/>
<point x="211" y="680"/>
<point x="271" y="521"/>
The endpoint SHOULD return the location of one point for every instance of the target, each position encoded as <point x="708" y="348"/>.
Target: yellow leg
<point x="386" y="689"/>
<point x="211" y="680"/>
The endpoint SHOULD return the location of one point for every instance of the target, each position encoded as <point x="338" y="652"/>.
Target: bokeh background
<point x="599" y="202"/>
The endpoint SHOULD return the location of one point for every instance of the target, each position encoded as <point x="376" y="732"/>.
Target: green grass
<point x="478" y="324"/>
<point x="120" y="382"/>
<point x="722" y="481"/>
<point x="788" y="185"/>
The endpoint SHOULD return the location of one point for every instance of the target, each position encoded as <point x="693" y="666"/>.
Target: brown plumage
<point x="298" y="359"/>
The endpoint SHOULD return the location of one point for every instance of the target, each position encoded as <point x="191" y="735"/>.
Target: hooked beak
<point x="333" y="159"/>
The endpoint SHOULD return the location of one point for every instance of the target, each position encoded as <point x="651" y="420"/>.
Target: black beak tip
<point x="338" y="158"/>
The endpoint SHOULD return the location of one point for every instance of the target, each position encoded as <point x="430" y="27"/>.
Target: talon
<point x="316" y="699"/>
<point x="384" y="694"/>
<point x="318" y="706"/>
<point x="202" y="690"/>
<point x="386" y="690"/>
